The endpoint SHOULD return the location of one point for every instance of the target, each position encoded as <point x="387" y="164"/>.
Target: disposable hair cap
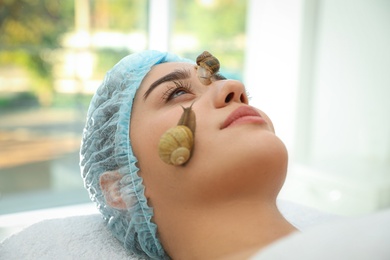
<point x="106" y="147"/>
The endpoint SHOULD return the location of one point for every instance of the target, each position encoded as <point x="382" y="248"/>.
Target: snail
<point x="208" y="66"/>
<point x="176" y="143"/>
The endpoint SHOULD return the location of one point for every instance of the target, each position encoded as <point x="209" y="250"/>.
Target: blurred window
<point x="53" y="56"/>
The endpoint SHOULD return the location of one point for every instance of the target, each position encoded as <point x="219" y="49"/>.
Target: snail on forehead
<point x="207" y="67"/>
<point x="176" y="143"/>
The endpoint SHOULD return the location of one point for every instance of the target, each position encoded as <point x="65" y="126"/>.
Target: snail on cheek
<point x="176" y="144"/>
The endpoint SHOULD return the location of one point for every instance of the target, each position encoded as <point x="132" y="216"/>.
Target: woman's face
<point x="232" y="156"/>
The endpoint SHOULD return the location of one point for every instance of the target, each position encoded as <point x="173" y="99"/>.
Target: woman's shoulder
<point x="364" y="237"/>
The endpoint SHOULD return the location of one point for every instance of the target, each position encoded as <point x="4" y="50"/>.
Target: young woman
<point x="221" y="203"/>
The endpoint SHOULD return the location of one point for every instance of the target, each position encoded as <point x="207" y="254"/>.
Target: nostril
<point x="242" y="98"/>
<point x="229" y="97"/>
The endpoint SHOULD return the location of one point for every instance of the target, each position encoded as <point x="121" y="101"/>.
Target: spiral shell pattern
<point x="175" y="145"/>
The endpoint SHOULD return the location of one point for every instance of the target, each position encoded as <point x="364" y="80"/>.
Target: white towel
<point x="87" y="237"/>
<point x="324" y="236"/>
<point x="303" y="217"/>
<point x="78" y="237"/>
<point x="358" y="238"/>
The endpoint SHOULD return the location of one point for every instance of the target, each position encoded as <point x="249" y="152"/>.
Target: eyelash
<point x="179" y="85"/>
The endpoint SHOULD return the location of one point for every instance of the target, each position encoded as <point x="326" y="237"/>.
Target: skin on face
<point x="244" y="160"/>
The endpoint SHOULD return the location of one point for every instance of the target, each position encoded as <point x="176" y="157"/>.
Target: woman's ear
<point x="109" y="183"/>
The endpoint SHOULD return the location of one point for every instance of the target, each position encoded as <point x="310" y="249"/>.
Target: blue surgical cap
<point x="106" y="146"/>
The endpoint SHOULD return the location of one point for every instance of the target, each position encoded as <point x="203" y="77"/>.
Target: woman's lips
<point x="243" y="115"/>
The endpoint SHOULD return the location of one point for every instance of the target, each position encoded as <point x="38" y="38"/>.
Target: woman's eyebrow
<point x="178" y="74"/>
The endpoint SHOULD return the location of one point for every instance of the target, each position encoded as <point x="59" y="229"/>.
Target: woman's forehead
<point x="162" y="69"/>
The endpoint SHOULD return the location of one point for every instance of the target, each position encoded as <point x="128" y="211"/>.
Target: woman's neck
<point x="234" y="230"/>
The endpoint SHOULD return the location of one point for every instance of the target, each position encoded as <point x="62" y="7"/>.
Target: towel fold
<point x="87" y="237"/>
<point x="78" y="237"/>
<point x="358" y="238"/>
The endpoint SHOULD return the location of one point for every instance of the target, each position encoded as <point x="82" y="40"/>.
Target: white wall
<point x="321" y="70"/>
<point x="159" y="31"/>
<point x="351" y="118"/>
<point x="272" y="59"/>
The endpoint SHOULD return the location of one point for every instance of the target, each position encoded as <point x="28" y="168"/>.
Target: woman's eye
<point x="176" y="91"/>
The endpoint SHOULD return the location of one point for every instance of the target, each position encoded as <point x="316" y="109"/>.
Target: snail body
<point x="188" y="118"/>
<point x="208" y="65"/>
<point x="175" y="145"/>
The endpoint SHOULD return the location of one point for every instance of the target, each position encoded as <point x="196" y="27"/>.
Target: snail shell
<point x="176" y="144"/>
<point x="208" y="65"/>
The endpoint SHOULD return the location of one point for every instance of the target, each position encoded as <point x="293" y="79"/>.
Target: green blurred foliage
<point x="219" y="27"/>
<point x="222" y="20"/>
<point x="119" y="15"/>
<point x="34" y="22"/>
<point x="107" y="58"/>
<point x="29" y="29"/>
<point x="31" y="32"/>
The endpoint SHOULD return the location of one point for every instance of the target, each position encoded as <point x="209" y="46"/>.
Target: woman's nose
<point x="228" y="91"/>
